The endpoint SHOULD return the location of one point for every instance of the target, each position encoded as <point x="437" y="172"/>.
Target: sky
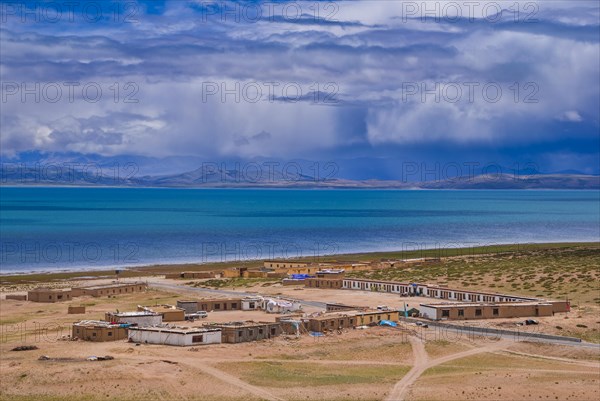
<point x="373" y="85"/>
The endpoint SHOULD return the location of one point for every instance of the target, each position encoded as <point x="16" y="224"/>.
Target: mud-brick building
<point x="220" y="304"/>
<point x="113" y="289"/>
<point x="49" y="295"/>
<point x="469" y="311"/>
<point x="99" y="331"/>
<point x="332" y="279"/>
<point x="348" y="320"/>
<point x="239" y="332"/>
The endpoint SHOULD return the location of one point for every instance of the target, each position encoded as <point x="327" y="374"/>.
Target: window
<point x="477" y="312"/>
<point x="260" y="331"/>
<point x="250" y="332"/>
<point x="252" y="305"/>
<point x="273" y="331"/>
<point x="234" y="305"/>
<point x="495" y="312"/>
<point x="461" y="312"/>
<point x="94" y="334"/>
<point x="217" y="306"/>
<point x="240" y="333"/>
<point x="197" y="339"/>
<point x="445" y="312"/>
<point x="110" y="334"/>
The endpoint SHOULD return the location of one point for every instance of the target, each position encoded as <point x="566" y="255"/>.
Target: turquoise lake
<point x="52" y="229"/>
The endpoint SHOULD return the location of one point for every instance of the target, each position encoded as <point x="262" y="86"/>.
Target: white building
<point x="252" y="303"/>
<point x="281" y="306"/>
<point x="175" y="336"/>
<point x="142" y="318"/>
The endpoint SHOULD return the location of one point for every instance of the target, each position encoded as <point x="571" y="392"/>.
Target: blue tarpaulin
<point x="387" y="323"/>
<point x="315" y="334"/>
<point x="301" y="276"/>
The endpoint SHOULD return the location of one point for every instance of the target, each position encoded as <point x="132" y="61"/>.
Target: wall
<point x="175" y="315"/>
<point x="76" y="310"/>
<point x="429" y="291"/>
<point x="174" y="338"/>
<point x="231" y="273"/>
<point x="117" y="289"/>
<point x="48" y="296"/>
<point x="323" y="283"/>
<point x="560" y="306"/>
<point x="283" y="265"/>
<point x="188" y="306"/>
<point x="253" y="304"/>
<point x="469" y="312"/>
<point x="238" y="334"/>
<point x="17" y="297"/>
<point x="219" y="305"/>
<point x="99" y="334"/>
<point x="352" y="320"/>
<point x="144" y="320"/>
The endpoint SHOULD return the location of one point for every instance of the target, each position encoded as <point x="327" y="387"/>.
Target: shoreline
<point x="303" y="188"/>
<point x="153" y="269"/>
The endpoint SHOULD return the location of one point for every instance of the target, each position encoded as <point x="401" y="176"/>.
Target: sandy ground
<point x="374" y="364"/>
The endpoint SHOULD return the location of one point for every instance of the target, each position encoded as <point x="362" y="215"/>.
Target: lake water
<point x="52" y="229"/>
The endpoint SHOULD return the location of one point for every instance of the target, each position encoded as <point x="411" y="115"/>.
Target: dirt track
<point x="422" y="363"/>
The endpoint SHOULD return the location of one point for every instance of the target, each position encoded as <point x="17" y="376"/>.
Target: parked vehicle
<point x="198" y="315"/>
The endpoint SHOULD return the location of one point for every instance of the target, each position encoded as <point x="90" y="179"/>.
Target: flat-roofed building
<point x="141" y="318"/>
<point x="219" y="304"/>
<point x="169" y="313"/>
<point x="324" y="283"/>
<point x="98" y="331"/>
<point x="428" y="290"/>
<point x="469" y="311"/>
<point x="284" y="264"/>
<point x="238" y="332"/>
<point x="179" y="336"/>
<point x="113" y="289"/>
<point x="252" y="303"/>
<point x="188" y="306"/>
<point x="348" y="320"/>
<point x="50" y="295"/>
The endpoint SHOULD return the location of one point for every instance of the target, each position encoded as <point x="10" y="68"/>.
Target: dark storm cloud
<point x="373" y="56"/>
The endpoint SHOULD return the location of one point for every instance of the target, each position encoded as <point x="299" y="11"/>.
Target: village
<point x="294" y="330"/>
<point x="204" y="320"/>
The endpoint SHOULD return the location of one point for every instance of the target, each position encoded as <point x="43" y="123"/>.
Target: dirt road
<point x="422" y="363"/>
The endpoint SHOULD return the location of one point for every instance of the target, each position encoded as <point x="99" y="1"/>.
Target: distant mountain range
<point x="92" y="170"/>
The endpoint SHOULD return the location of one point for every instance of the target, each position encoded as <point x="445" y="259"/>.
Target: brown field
<point x="374" y="364"/>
